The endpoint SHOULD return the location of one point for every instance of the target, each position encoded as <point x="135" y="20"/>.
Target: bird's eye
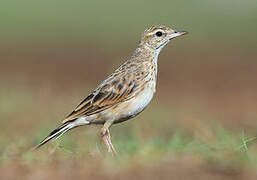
<point x="158" y="33"/>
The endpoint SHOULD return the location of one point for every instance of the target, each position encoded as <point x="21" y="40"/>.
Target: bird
<point x="123" y="94"/>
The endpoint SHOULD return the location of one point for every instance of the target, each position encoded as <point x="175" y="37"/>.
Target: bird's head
<point x="157" y="37"/>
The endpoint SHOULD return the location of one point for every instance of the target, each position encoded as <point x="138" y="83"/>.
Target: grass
<point x="225" y="147"/>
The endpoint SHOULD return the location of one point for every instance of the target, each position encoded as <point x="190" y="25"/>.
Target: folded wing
<point x="108" y="94"/>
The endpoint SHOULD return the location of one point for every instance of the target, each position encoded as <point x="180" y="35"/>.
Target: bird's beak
<point x="177" y="33"/>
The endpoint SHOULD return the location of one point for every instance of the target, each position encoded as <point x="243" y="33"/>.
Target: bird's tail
<point x="55" y="134"/>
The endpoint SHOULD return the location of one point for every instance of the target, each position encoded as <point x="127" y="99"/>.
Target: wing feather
<point x="104" y="97"/>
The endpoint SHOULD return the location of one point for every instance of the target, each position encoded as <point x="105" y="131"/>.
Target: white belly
<point x="139" y="103"/>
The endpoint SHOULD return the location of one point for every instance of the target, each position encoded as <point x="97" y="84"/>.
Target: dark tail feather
<point x="55" y="134"/>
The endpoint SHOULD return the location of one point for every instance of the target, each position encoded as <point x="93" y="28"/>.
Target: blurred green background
<point x="201" y="123"/>
<point x="229" y="22"/>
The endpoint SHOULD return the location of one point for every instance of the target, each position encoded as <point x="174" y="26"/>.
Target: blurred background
<point x="201" y="123"/>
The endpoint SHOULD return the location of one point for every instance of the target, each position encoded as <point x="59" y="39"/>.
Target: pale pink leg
<point x="107" y="137"/>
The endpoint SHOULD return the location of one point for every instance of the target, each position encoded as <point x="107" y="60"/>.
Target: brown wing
<point x="108" y="94"/>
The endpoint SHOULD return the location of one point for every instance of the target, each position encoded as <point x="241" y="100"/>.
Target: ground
<point x="201" y="123"/>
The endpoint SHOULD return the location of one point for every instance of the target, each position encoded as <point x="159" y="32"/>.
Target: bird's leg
<point x="105" y="133"/>
<point x="110" y="142"/>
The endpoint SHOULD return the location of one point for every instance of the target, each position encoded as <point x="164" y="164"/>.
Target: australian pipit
<point x="123" y="94"/>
